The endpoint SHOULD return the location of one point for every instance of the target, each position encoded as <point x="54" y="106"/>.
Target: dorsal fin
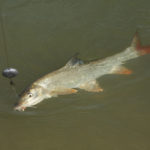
<point x="136" y="43"/>
<point x="74" y="61"/>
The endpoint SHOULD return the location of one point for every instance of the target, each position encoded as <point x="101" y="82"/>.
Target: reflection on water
<point x="41" y="37"/>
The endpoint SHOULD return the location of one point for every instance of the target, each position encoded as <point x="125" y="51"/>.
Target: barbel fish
<point x="78" y="75"/>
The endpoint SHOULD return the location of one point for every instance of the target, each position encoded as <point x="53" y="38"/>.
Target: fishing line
<point x="4" y="36"/>
<point x="8" y="72"/>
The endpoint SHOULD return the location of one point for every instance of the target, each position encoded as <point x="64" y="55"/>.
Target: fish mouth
<point x="19" y="108"/>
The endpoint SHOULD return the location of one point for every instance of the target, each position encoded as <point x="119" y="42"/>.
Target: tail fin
<point x="136" y="44"/>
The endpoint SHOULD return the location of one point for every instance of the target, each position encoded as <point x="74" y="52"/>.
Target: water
<point x="41" y="37"/>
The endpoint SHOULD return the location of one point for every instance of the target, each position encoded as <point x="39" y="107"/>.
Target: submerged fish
<point x="77" y="75"/>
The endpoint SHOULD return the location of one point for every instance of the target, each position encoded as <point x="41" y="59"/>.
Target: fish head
<point x="30" y="97"/>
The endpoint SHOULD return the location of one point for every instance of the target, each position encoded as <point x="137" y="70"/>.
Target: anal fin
<point x="91" y="86"/>
<point x="121" y="70"/>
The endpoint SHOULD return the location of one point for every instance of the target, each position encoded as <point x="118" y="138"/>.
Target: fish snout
<point x="19" y="108"/>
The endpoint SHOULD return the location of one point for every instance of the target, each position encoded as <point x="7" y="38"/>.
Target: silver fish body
<point x="73" y="76"/>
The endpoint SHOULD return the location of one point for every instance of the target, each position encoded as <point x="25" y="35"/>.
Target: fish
<point x="77" y="75"/>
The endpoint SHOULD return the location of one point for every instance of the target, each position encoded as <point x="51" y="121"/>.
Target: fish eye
<point x="30" y="94"/>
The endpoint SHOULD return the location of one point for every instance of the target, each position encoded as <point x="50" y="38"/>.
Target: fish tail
<point x="135" y="50"/>
<point x="136" y="44"/>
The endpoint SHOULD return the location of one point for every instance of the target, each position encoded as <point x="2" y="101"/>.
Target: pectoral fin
<point x="63" y="91"/>
<point x="91" y="86"/>
<point x="121" y="70"/>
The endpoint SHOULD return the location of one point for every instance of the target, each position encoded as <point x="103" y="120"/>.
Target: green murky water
<point x="41" y="36"/>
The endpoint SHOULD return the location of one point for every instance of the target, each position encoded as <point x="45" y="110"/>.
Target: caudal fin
<point x="136" y="44"/>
